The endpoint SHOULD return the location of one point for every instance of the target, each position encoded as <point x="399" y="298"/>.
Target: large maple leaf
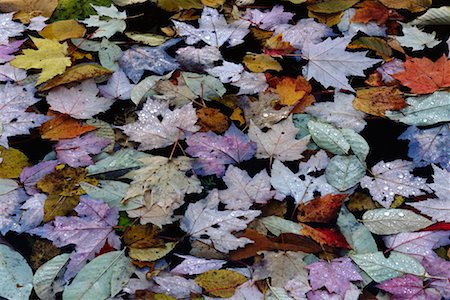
<point x="158" y="126"/>
<point x="330" y="64"/>
<point x="50" y="56"/>
<point x="14" y="100"/>
<point x="215" y="151"/>
<point x="89" y="231"/>
<point x="423" y="76"/>
<point x="80" y="102"/>
<point x="203" y="221"/>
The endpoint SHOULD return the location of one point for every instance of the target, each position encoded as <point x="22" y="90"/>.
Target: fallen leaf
<point x="28" y="9"/>
<point x="411" y="5"/>
<point x="220" y="283"/>
<point x="379" y="45"/>
<point x="212" y="119"/>
<point x="326" y="236"/>
<point x="424" y="76"/>
<point x="321" y="210"/>
<point x="12" y="162"/>
<point x="142" y="236"/>
<point x="63" y="127"/>
<point x="261" y="63"/>
<point x="377" y="100"/>
<point x="63" y="30"/>
<point x="151" y="254"/>
<point x="332" y="6"/>
<point x="370" y="10"/>
<point x="292" y="90"/>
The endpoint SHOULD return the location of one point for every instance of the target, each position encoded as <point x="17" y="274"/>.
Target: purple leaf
<point x="429" y="146"/>
<point x="155" y="59"/>
<point x="75" y="152"/>
<point x="215" y="151"/>
<point x="31" y="175"/>
<point x="32" y="213"/>
<point x="7" y="50"/>
<point x="269" y="19"/>
<point x="88" y="231"/>
<point x="408" y="287"/>
<point x="335" y="276"/>
<point x="439" y="269"/>
<point x="118" y="87"/>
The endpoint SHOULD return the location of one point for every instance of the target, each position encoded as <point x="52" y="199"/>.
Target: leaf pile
<point x="219" y="149"/>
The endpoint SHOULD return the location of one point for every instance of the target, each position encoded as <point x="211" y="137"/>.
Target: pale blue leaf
<point x="328" y="137"/>
<point x="47" y="281"/>
<point x="16" y="276"/>
<point x="344" y="172"/>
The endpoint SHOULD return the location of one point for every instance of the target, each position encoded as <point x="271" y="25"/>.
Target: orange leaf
<point x="212" y="119"/>
<point x="322" y="210"/>
<point x="292" y="90"/>
<point x="371" y="11"/>
<point x="376" y="100"/>
<point x="326" y="236"/>
<point x="63" y="127"/>
<point x="424" y="76"/>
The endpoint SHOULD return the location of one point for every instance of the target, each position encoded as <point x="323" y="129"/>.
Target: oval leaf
<point x="16" y="276"/>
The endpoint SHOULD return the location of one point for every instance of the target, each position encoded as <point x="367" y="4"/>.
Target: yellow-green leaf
<point x="220" y="283"/>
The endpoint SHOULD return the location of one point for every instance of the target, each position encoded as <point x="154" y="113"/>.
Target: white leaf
<point x="103" y="277"/>
<point x="251" y="83"/>
<point x="176" y="286"/>
<point x="329" y="63"/>
<point x="247" y="290"/>
<point x="153" y="133"/>
<point x="269" y="19"/>
<point x="277" y="293"/>
<point x="198" y="59"/>
<point x="214" y="30"/>
<point x="340" y="112"/>
<point x="110" y="191"/>
<point x="115" y="21"/>
<point x="419" y="245"/>
<point x="243" y="190"/>
<point x="9" y="28"/>
<point x="380" y="268"/>
<point x="391" y="221"/>
<point x="159" y="186"/>
<point x="287" y="183"/>
<point x="118" y="86"/>
<point x="16" y="276"/>
<point x="80" y="102"/>
<point x="393" y="178"/>
<point x="47" y="280"/>
<point x="416" y="39"/>
<point x="227" y="72"/>
<point x="192" y="265"/>
<point x="441" y="183"/>
<point x="10" y="73"/>
<point x="279" y="142"/>
<point x="433" y="16"/>
<point x="204" y="222"/>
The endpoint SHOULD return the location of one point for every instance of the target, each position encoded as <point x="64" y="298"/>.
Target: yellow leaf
<point x="151" y="254"/>
<point x="220" y="283"/>
<point x="74" y="74"/>
<point x="332" y="6"/>
<point x="398" y="201"/>
<point x="379" y="45"/>
<point x="291" y="90"/>
<point x="178" y="5"/>
<point x="50" y="57"/>
<point x="237" y="115"/>
<point x="150" y="39"/>
<point x="63" y="30"/>
<point x="213" y="3"/>
<point x="261" y="62"/>
<point x="13" y="161"/>
<point x="28" y="9"/>
<point x="361" y="202"/>
<point x="65" y="181"/>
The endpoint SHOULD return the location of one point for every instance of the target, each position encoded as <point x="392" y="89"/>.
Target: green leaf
<point x="357" y="143"/>
<point x="77" y="9"/>
<point x="355" y="233"/>
<point x="385" y="221"/>
<point x="205" y="86"/>
<point x="328" y="137"/>
<point x="103" y="277"/>
<point x="344" y="172"/>
<point x="381" y="268"/>
<point x="424" y="110"/>
<point x="16" y="275"/>
<point x="45" y="281"/>
<point x="277" y="225"/>
<point x="123" y="160"/>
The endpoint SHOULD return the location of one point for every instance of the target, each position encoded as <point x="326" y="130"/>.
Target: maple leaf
<point x="88" y="231"/>
<point x="268" y="20"/>
<point x="109" y="21"/>
<point x="215" y="151"/>
<point x="416" y="39"/>
<point x="227" y="72"/>
<point x="408" y="287"/>
<point x="329" y="63"/>
<point x="9" y="28"/>
<point x="198" y="59"/>
<point x="437" y="209"/>
<point x="214" y="30"/>
<point x="393" y="178"/>
<point x="204" y="222"/>
<point x="243" y="190"/>
<point x="8" y="49"/>
<point x="118" y="86"/>
<point x="75" y="152"/>
<point x="10" y="73"/>
<point x="158" y="126"/>
<point x="279" y="142"/>
<point x="340" y="272"/>
<point x="159" y="188"/>
<point x="428" y="145"/>
<point x="376" y="100"/>
<point x="80" y="102"/>
<point x="14" y="119"/>
<point x="340" y="112"/>
<point x="251" y="83"/>
<point x="424" y="76"/>
<point x="50" y="56"/>
<point x="155" y="59"/>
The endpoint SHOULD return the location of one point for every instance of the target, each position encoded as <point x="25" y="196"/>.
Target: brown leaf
<point x="56" y="205"/>
<point x="321" y="210"/>
<point x="376" y="100"/>
<point x="212" y="119"/>
<point x="220" y="283"/>
<point x="65" y="181"/>
<point x="424" y="76"/>
<point x="411" y="5"/>
<point x="28" y="9"/>
<point x="326" y="236"/>
<point x="327" y="19"/>
<point x="42" y="251"/>
<point x="332" y="6"/>
<point x="260" y="242"/>
<point x="379" y="45"/>
<point x="361" y="202"/>
<point x="371" y="11"/>
<point x="142" y="236"/>
<point x="63" y="127"/>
